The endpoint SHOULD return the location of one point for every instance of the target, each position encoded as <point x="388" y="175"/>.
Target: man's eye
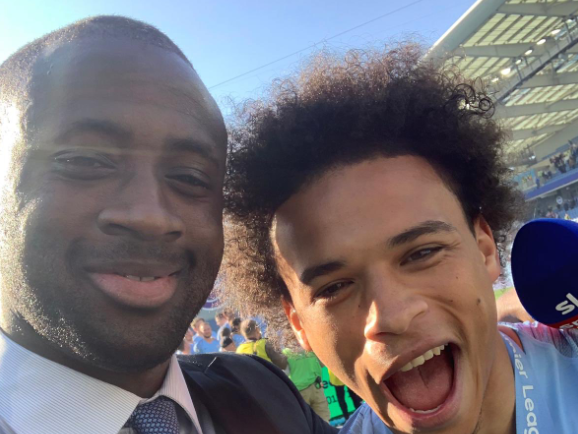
<point x="190" y="180"/>
<point x="333" y="290"/>
<point x="421" y="254"/>
<point x="82" y="166"/>
<point x="86" y="162"/>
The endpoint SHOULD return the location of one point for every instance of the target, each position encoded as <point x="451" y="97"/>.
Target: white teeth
<point x="140" y="279"/>
<point x="425" y="411"/>
<point x="407" y="367"/>
<point x="147" y="279"/>
<point x="418" y="361"/>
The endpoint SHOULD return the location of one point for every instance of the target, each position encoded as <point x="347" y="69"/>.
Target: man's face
<point x="119" y="204"/>
<point x="197" y="327"/>
<point x="189" y="334"/>
<point x="206" y="330"/>
<point x="383" y="268"/>
<point x="231" y="348"/>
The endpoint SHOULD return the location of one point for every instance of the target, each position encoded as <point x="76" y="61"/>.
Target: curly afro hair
<point x="346" y="109"/>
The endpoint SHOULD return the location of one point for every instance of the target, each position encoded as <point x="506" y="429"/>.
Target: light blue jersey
<point x="238" y="339"/>
<point x="198" y="338"/>
<point x="203" y="347"/>
<point x="546" y="375"/>
<point x="546" y="379"/>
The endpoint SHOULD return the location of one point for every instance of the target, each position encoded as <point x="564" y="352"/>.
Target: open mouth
<point x="424" y="388"/>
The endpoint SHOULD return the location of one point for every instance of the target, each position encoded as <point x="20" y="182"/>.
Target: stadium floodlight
<point x="555" y="31"/>
<point x="506" y="71"/>
<point x="495" y="79"/>
<point x="528" y="52"/>
<point x="541" y="41"/>
<point x="518" y="61"/>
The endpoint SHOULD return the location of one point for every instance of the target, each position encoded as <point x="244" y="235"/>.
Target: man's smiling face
<point x="119" y="203"/>
<point x="383" y="272"/>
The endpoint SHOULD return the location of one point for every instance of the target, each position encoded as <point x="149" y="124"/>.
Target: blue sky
<point x="224" y="39"/>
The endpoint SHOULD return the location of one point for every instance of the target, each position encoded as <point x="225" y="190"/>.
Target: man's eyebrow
<point x="193" y="146"/>
<point x="424" y="228"/>
<point x="98" y="126"/>
<point x="320" y="270"/>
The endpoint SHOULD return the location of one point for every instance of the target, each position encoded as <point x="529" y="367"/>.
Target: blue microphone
<point x="545" y="271"/>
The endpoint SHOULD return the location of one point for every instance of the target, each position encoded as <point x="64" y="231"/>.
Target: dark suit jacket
<point x="248" y="395"/>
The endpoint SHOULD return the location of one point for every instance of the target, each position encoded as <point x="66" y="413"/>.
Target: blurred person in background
<point x="340" y="393"/>
<point x="195" y="326"/>
<point x="227" y="345"/>
<point x="222" y="323"/>
<point x="305" y="371"/>
<point x="230" y="314"/>
<point x="208" y="343"/>
<point x="187" y="344"/>
<point x="184" y="349"/>
<point x="236" y="334"/>
<point x="258" y="346"/>
<point x="226" y="321"/>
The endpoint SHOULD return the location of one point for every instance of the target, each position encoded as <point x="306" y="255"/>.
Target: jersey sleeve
<point x="364" y="421"/>
<point x="565" y="341"/>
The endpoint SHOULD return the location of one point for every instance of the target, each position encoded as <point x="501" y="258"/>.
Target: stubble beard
<point x="40" y="292"/>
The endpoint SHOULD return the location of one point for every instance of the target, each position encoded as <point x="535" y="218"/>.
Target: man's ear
<point x="295" y="323"/>
<point x="487" y="247"/>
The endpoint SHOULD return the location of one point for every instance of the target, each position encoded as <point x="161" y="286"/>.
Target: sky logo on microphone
<point x="544" y="264"/>
<point x="566" y="307"/>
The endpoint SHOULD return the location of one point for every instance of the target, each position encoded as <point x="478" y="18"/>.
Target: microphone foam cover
<point x="545" y="270"/>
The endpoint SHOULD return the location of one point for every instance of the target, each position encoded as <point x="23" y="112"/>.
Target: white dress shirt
<point x="38" y="395"/>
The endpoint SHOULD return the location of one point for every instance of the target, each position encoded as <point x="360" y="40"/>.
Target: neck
<point x="144" y="384"/>
<point x="499" y="406"/>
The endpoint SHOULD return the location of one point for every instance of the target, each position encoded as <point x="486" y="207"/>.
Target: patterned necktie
<point x="155" y="417"/>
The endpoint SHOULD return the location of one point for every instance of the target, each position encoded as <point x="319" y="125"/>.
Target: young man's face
<point x="206" y="330"/>
<point x="382" y="268"/>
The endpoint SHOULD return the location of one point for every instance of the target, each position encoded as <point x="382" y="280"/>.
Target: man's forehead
<point x="387" y="186"/>
<point x="376" y="200"/>
<point x="90" y="71"/>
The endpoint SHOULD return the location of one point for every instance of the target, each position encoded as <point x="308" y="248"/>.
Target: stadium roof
<point x="526" y="53"/>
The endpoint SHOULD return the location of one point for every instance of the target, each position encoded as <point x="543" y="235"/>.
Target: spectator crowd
<point x="303" y="368"/>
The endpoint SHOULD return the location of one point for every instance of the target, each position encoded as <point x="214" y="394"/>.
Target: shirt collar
<point x="39" y="395"/>
<point x="175" y="388"/>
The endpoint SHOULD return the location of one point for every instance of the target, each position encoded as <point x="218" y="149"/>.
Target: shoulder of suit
<point x="231" y="361"/>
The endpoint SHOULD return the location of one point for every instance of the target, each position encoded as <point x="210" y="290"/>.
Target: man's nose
<point x="141" y="210"/>
<point x="393" y="308"/>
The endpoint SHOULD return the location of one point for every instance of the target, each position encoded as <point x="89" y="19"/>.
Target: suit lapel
<point x="208" y="425"/>
<point x="231" y="408"/>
